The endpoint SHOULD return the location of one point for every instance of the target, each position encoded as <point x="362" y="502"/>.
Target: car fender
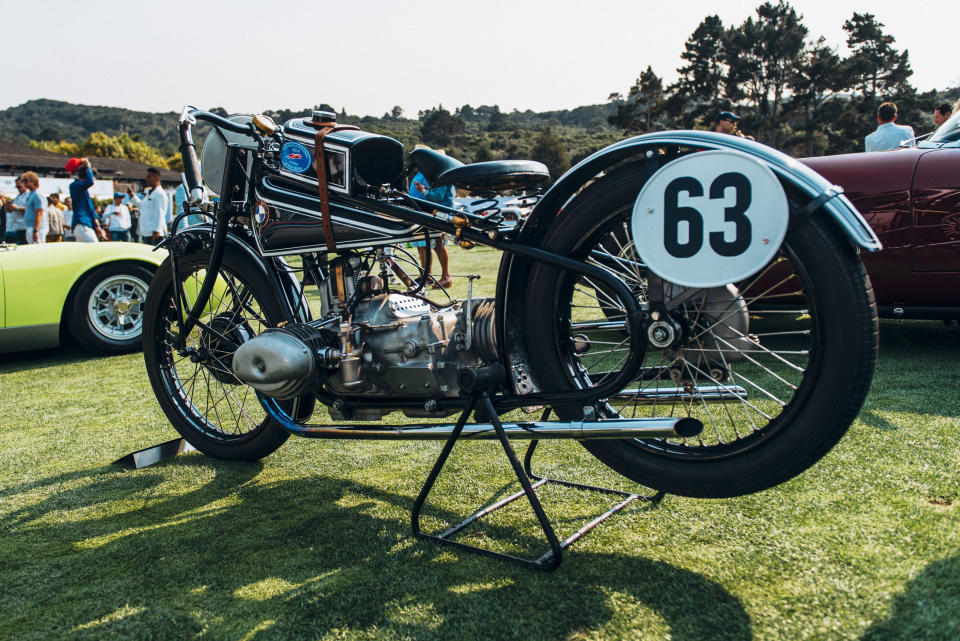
<point x="41" y="278"/>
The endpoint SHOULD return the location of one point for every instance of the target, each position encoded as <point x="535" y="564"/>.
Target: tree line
<point x="102" y="145"/>
<point x="793" y="91"/>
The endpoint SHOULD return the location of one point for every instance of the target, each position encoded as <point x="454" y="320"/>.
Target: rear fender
<point x="823" y="195"/>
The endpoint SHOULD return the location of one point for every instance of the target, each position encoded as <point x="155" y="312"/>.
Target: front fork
<point x="187" y="316"/>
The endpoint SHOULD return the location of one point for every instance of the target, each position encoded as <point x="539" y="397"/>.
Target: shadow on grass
<point x="44" y="358"/>
<point x="232" y="557"/>
<point x="919" y="340"/>
<point x="876" y="421"/>
<point x="918" y="371"/>
<point x="926" y="607"/>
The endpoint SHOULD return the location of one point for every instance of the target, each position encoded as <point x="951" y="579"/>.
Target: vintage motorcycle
<point x="690" y="305"/>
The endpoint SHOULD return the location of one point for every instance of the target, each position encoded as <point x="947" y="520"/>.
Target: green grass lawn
<point x="314" y="542"/>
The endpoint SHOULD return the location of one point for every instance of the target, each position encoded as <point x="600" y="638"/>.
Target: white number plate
<point x="710" y="218"/>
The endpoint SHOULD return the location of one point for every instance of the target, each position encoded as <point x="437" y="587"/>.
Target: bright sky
<point x="368" y="55"/>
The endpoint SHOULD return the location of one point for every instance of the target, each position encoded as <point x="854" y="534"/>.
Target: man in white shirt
<point x="153" y="210"/>
<point x="888" y="135"/>
<point x="68" y="219"/>
<point x="118" y="219"/>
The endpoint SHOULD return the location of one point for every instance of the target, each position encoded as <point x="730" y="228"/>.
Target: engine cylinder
<point x="283" y="362"/>
<point x="485" y="330"/>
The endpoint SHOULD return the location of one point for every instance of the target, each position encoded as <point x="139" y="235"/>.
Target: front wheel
<point x="776" y="368"/>
<point x="196" y="387"/>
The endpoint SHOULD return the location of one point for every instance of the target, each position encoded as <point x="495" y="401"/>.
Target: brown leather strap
<point x="323" y="128"/>
<point x="322" y="192"/>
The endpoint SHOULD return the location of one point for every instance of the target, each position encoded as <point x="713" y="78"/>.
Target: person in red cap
<point x="86" y="226"/>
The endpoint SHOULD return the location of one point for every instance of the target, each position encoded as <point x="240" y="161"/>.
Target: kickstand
<point x="551" y="559"/>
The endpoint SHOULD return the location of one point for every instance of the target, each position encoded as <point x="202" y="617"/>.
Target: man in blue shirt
<point x="888" y="134"/>
<point x="86" y="226"/>
<point x="420" y="188"/>
<point x="34" y="215"/>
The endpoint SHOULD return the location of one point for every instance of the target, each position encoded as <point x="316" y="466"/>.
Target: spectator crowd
<point x="888" y="136"/>
<point x="30" y="217"/>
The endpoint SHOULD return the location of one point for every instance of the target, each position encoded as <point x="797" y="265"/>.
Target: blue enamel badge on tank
<point x="295" y="157"/>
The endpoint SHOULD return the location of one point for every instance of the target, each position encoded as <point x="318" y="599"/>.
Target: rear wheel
<point x="776" y="368"/>
<point x="196" y="388"/>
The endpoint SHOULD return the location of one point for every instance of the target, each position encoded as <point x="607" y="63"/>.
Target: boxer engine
<point x="392" y="345"/>
<point x="397" y="346"/>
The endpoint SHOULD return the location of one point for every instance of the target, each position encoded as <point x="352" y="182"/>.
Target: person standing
<point x="153" y="209"/>
<point x="68" y="219"/>
<point x="86" y="227"/>
<point x="35" y="215"/>
<point x="942" y="114"/>
<point x="888" y="134"/>
<point x="118" y="219"/>
<point x="420" y="188"/>
<point x="54" y="220"/>
<point x="10" y="236"/>
<point x="19" y="213"/>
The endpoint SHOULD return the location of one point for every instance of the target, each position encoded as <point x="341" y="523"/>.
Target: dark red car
<point x="911" y="198"/>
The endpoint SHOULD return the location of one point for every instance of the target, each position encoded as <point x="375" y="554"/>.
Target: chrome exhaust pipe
<point x="618" y="428"/>
<point x="662" y="394"/>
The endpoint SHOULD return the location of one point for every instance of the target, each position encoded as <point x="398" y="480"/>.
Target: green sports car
<point x="90" y="292"/>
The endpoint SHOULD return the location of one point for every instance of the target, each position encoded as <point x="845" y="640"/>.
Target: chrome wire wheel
<point x="200" y="380"/>
<point x="734" y="357"/>
<point x="115" y="307"/>
<point x="775" y="367"/>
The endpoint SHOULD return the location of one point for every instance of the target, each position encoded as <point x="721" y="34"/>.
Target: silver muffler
<point x="276" y="363"/>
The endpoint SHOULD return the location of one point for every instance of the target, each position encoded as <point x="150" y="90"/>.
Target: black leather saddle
<point x="495" y="175"/>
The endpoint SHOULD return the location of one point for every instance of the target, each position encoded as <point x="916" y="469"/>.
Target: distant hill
<point x="557" y="138"/>
<point x="56" y="120"/>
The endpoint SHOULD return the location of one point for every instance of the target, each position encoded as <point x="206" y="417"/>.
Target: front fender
<point x="293" y="298"/>
<point x="823" y="195"/>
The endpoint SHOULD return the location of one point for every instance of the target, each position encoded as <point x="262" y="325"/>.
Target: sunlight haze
<point x="367" y="56"/>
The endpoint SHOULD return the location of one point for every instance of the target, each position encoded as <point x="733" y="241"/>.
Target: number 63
<point x="674" y="214"/>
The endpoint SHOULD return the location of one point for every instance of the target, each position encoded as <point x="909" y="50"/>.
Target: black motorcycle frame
<point x="468" y="229"/>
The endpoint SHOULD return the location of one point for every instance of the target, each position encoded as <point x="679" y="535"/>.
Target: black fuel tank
<point x="357" y="161"/>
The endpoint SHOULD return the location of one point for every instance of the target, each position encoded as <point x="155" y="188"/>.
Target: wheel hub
<point x="665" y="333"/>
<point x="121" y="307"/>
<point x="219" y="341"/>
<point x="115" y="307"/>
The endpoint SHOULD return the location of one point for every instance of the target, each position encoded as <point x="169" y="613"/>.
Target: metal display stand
<point x="155" y="454"/>
<point x="478" y="384"/>
<point x="551" y="559"/>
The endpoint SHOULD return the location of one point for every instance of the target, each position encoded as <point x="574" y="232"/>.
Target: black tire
<point x="106" y="308"/>
<point x="204" y="401"/>
<point x="748" y="444"/>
